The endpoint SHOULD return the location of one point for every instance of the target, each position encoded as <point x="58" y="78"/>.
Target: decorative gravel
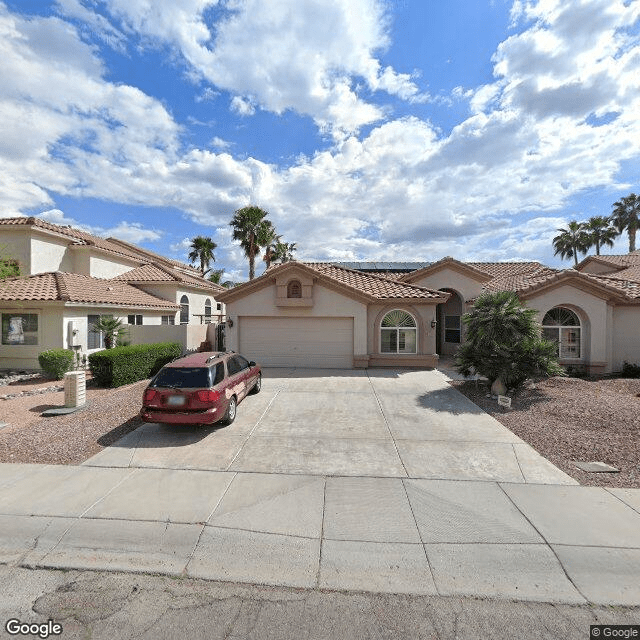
<point x="568" y="419"/>
<point x="68" y="439"/>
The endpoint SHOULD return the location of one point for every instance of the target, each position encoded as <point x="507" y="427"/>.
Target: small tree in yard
<point x="504" y="343"/>
<point x="112" y="329"/>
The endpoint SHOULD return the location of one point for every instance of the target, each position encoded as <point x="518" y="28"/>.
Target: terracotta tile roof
<point x="374" y="285"/>
<point x="145" y="254"/>
<point x="506" y="269"/>
<point x="111" y="245"/>
<point x="78" y="237"/>
<point x="628" y="288"/>
<point x="614" y="261"/>
<point x="72" y="287"/>
<point x="520" y="281"/>
<point x="161" y="273"/>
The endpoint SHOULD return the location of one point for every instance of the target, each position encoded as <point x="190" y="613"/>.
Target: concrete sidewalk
<point x="548" y="543"/>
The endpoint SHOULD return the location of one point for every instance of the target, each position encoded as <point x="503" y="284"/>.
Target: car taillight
<point x="149" y="396"/>
<point x="207" y="395"/>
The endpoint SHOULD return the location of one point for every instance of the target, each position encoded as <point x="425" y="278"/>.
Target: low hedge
<point x="56" y="362"/>
<point x="124" y="365"/>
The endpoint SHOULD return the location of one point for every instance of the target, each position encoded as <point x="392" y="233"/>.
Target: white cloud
<point x="242" y="106"/>
<point x="304" y="55"/>
<point x="403" y="190"/>
<point x="132" y="232"/>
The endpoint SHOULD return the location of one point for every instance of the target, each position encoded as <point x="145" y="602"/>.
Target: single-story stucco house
<point x="70" y="278"/>
<point x="350" y="315"/>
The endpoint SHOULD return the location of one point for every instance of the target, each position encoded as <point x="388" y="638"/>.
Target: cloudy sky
<point x="396" y="130"/>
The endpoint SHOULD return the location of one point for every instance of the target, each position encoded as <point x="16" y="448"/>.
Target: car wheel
<point x="230" y="414"/>
<point x="258" y="385"/>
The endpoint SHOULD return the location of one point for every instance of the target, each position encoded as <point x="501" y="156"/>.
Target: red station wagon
<point x="201" y="388"/>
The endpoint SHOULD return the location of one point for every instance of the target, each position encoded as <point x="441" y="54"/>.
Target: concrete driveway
<point x="376" y="423"/>
<point x="380" y="481"/>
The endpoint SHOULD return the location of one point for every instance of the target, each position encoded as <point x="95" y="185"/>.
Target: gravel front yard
<point x="69" y="439"/>
<point x="568" y="419"/>
<point x="565" y="419"/>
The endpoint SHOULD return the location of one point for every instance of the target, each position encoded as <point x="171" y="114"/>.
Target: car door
<point x="237" y="384"/>
<point x="245" y="372"/>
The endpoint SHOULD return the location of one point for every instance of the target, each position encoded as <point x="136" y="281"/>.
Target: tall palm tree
<point x="571" y="241"/>
<point x="202" y="249"/>
<point x="252" y="231"/>
<point x="626" y="216"/>
<point x="599" y="232"/>
<point x="284" y="251"/>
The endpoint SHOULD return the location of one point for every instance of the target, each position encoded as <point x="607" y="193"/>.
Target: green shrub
<point x="503" y="342"/>
<point x="124" y="365"/>
<point x="56" y="362"/>
<point x="630" y="370"/>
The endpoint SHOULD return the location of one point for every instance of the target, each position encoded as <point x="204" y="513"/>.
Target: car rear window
<point x="188" y="377"/>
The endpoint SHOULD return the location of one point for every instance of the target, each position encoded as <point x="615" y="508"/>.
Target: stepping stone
<point x="596" y="467"/>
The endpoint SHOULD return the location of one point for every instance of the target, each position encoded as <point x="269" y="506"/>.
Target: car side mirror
<point x="252" y="363"/>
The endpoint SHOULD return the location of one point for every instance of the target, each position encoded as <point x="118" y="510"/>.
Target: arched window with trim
<point x="562" y="326"/>
<point x="207" y="311"/>
<point x="294" y="289"/>
<point x="184" y="310"/>
<point x="398" y="333"/>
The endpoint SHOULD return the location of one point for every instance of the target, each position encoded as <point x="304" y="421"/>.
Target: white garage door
<point x="299" y="342"/>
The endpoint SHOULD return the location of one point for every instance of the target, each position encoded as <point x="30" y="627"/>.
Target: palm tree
<point x="202" y="249"/>
<point x="284" y="251"/>
<point x="626" y="216"/>
<point x="252" y="231"/>
<point x="270" y="251"/>
<point x="571" y="241"/>
<point x="600" y="233"/>
<point x="216" y="277"/>
<point x="113" y="330"/>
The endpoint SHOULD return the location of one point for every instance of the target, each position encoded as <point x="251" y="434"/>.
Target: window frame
<point x="184" y="309"/>
<point x="560" y="329"/>
<point x="30" y="319"/>
<point x="396" y="332"/>
<point x="207" y="311"/>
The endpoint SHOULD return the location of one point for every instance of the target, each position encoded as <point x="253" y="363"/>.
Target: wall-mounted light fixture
<point x="230" y="322"/>
<point x="434" y="324"/>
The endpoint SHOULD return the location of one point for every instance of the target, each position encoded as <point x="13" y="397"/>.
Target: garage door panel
<point x="300" y="342"/>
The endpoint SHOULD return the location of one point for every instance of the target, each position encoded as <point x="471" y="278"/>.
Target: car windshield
<point x="188" y="377"/>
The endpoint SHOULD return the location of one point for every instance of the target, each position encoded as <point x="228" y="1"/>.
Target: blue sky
<point x="369" y="130"/>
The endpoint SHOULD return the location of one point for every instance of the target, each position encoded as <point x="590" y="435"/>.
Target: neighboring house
<point x="70" y="278"/>
<point x="409" y="314"/>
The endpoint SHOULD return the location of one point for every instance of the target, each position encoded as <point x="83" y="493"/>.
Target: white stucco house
<point x="70" y="278"/>
<point x="397" y="314"/>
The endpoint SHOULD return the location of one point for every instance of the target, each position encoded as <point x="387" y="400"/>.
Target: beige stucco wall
<point x="626" y="336"/>
<point x="447" y="278"/>
<point x="196" y="299"/>
<point x="326" y="303"/>
<point x="423" y="314"/>
<point x="49" y="254"/>
<point x="50" y="336"/>
<point x="593" y="313"/>
<point x="15" y="245"/>
<point x="101" y="266"/>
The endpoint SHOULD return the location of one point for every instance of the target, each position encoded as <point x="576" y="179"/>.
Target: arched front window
<point x="184" y="310"/>
<point x="294" y="289"/>
<point x="563" y="327"/>
<point x="398" y="333"/>
<point x="207" y="311"/>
